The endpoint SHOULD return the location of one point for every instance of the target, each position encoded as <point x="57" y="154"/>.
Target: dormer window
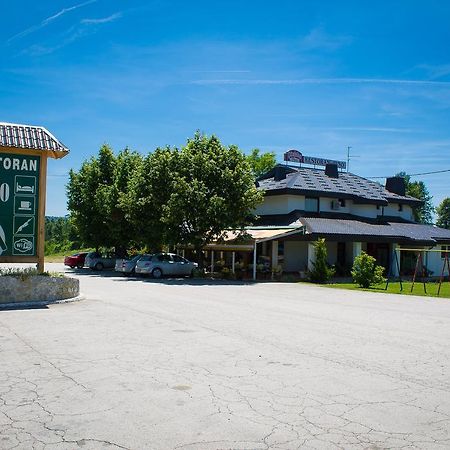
<point x="400" y="207"/>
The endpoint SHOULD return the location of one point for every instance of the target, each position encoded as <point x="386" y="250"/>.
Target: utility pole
<point x="349" y="156"/>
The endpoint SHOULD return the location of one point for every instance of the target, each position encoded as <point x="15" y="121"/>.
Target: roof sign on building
<point x="297" y="157"/>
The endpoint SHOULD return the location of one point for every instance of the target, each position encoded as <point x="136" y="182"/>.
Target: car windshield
<point x="135" y="258"/>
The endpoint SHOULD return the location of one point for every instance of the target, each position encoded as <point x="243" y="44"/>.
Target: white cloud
<point x="48" y="20"/>
<point x="323" y="81"/>
<point x="319" y="39"/>
<point x="108" y="19"/>
<point x="435" y="71"/>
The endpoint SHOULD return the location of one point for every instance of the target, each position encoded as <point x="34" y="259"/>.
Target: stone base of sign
<point x="37" y="289"/>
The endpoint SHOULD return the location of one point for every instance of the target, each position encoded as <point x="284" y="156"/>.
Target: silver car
<point x="127" y="266"/>
<point x="161" y="264"/>
<point x="97" y="261"/>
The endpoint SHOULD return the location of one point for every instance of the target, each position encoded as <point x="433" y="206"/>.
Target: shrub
<point x="321" y="272"/>
<point x="197" y="272"/>
<point x="366" y="272"/>
<point x="226" y="273"/>
<point x="24" y="273"/>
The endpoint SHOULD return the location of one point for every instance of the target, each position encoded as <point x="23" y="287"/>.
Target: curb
<point x="22" y="305"/>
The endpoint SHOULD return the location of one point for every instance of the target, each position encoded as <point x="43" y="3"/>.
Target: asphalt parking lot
<point x="186" y="364"/>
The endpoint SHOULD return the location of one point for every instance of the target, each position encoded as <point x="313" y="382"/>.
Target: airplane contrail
<point x="48" y="20"/>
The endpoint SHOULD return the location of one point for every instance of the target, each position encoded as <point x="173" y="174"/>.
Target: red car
<point x="76" y="260"/>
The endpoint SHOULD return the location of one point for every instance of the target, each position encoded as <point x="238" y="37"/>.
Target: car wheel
<point x="72" y="267"/>
<point x="157" y="273"/>
<point x="80" y="265"/>
<point x="99" y="266"/>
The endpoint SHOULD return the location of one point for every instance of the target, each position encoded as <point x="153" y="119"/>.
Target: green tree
<point x="123" y="231"/>
<point x="94" y="199"/>
<point x="213" y="189"/>
<point x="201" y="191"/>
<point x="321" y="272"/>
<point x="81" y="193"/>
<point x="366" y="272"/>
<point x="60" y="235"/>
<point x="443" y="214"/>
<point x="418" y="189"/>
<point x="261" y="163"/>
<point x="149" y="191"/>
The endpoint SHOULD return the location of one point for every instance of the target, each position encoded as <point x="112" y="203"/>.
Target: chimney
<point x="280" y="173"/>
<point x="396" y="185"/>
<point x="331" y="170"/>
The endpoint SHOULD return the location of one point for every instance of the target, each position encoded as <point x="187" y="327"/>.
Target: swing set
<point x="419" y="270"/>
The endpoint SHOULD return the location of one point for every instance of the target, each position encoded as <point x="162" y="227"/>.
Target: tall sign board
<point x="24" y="151"/>
<point x="19" y="204"/>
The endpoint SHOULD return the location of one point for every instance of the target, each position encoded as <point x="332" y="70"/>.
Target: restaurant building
<point x="352" y="213"/>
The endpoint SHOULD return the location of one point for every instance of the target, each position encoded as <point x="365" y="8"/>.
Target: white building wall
<point x="295" y="202"/>
<point x="365" y="211"/>
<point x="434" y="262"/>
<point x="295" y="256"/>
<point x="284" y="204"/>
<point x="325" y="205"/>
<point x="392" y="210"/>
<point x="277" y="204"/>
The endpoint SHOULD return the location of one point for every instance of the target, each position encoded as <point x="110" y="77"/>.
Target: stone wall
<point x="37" y="289"/>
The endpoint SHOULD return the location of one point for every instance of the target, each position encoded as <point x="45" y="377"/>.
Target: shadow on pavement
<point x="168" y="280"/>
<point x="93" y="273"/>
<point x="18" y="306"/>
<point x="189" y="281"/>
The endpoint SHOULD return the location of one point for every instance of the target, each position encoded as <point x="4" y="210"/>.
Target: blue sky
<point x="317" y="76"/>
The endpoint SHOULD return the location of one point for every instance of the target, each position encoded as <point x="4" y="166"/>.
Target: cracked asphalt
<point x="185" y="364"/>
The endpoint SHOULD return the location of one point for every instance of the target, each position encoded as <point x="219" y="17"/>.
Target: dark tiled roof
<point x="30" y="137"/>
<point x="405" y="231"/>
<point x="307" y="180"/>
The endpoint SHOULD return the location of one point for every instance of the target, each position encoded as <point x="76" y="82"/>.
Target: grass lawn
<point x="394" y="288"/>
<point x="59" y="257"/>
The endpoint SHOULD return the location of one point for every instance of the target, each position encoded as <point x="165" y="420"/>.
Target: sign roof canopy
<point x="14" y="135"/>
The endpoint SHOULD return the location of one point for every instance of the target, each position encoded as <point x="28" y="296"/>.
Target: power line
<point x="416" y="174"/>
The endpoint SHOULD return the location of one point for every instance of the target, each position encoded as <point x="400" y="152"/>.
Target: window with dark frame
<point x="400" y="207"/>
<point x="312" y="204"/>
<point x="341" y="202"/>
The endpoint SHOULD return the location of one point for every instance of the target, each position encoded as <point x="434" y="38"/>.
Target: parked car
<point x="98" y="261"/>
<point x="161" y="264"/>
<point x="127" y="266"/>
<point x="76" y="260"/>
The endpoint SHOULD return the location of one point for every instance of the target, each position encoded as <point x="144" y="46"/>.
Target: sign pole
<point x="41" y="214"/>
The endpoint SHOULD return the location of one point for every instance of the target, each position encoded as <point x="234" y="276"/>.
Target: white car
<point x="127" y="266"/>
<point x="161" y="264"/>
